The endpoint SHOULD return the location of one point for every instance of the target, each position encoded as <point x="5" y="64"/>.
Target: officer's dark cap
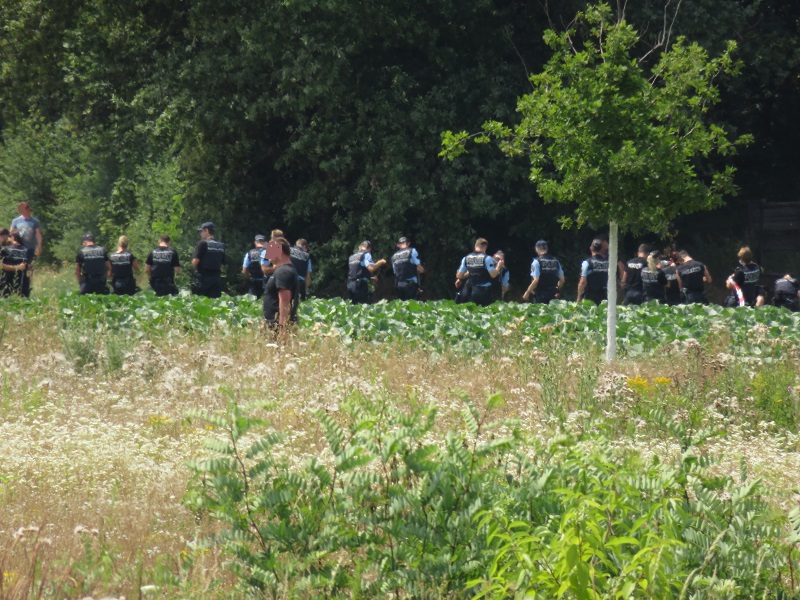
<point x="207" y="225"/>
<point x="260" y="238"/>
<point x="541" y="244"/>
<point x="403" y="240"/>
<point x="88" y="237"/>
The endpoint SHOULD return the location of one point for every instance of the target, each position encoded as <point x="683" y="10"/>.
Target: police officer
<point x="477" y="270"/>
<point x="14" y="260"/>
<point x="301" y="259"/>
<point x="92" y="267"/>
<point x="672" y="293"/>
<point x="746" y="278"/>
<point x="547" y="276"/>
<point x="787" y="293"/>
<point x="501" y="282"/>
<point x="632" y="277"/>
<point x="692" y="277"/>
<point x="360" y="269"/>
<point x="208" y="258"/>
<point x="251" y="267"/>
<point x="267" y="268"/>
<point x="593" y="284"/>
<point x="123" y="264"/>
<point x="654" y="281"/>
<point x="162" y="264"/>
<point x="407" y="267"/>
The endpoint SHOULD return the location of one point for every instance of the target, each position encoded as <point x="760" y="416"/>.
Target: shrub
<point x="394" y="512"/>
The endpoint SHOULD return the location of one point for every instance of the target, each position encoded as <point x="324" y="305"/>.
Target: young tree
<point x="621" y="141"/>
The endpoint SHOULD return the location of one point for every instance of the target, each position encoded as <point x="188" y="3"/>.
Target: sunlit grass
<point x="94" y="434"/>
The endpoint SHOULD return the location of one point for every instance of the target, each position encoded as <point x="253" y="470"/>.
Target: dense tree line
<point x="324" y="117"/>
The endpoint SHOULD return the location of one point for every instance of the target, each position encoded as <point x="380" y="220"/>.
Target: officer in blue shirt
<point x="477" y="269"/>
<point x="360" y="269"/>
<point x="251" y="267"/>
<point x="406" y="266"/>
<point x="547" y="276"/>
<point x="593" y="284"/>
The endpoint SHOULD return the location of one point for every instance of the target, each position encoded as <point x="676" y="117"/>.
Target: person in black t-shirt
<point x="14" y="260"/>
<point x="632" y="277"/>
<point x="672" y="292"/>
<point x="281" y="289"/>
<point x="92" y="267"/>
<point x="745" y="281"/>
<point x="692" y="277"/>
<point x="208" y="259"/>
<point x="123" y="264"/>
<point x="654" y="281"/>
<point x="162" y="264"/>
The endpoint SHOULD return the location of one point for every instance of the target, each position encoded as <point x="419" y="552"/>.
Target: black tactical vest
<point x="653" y="282"/>
<point x="597" y="279"/>
<point x="476" y="266"/>
<point x="355" y="270"/>
<point x="401" y="263"/>
<point x="162" y="263"/>
<point x="300" y="259"/>
<point x="254" y="268"/>
<point x="214" y="256"/>
<point x="785" y="288"/>
<point x="121" y="264"/>
<point x="15" y="255"/>
<point x="94" y="261"/>
<point x="548" y="273"/>
<point x="672" y="293"/>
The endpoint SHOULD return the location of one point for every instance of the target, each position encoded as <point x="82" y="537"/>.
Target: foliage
<point x="443" y="325"/>
<point x="384" y="511"/>
<point x="615" y="139"/>
<point x="322" y="119"/>
<point x="391" y="514"/>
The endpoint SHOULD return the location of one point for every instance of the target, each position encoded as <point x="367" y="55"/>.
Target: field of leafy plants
<point x="440" y="325"/>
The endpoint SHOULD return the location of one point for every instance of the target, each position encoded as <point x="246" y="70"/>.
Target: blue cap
<point x="207" y="225"/>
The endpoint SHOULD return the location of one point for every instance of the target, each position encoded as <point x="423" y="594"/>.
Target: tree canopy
<point x="322" y="117"/>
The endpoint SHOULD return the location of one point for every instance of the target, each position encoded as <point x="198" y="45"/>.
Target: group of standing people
<point x="671" y="278"/>
<point x="281" y="273"/>
<point x="19" y="247"/>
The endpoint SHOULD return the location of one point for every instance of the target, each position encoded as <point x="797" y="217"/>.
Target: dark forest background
<point x="324" y="118"/>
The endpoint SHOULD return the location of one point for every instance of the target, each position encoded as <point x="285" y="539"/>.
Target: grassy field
<point x="97" y="443"/>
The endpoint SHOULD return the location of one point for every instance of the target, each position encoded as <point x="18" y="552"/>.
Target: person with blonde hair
<point x="654" y="281"/>
<point x="744" y="282"/>
<point x="123" y="264"/>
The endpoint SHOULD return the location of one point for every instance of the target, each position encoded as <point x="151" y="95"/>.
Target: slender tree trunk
<point x="611" y="319"/>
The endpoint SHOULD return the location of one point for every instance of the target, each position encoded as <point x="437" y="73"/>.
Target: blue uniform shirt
<point x="585" y="269"/>
<point x="504" y="278"/>
<point x="300" y="277"/>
